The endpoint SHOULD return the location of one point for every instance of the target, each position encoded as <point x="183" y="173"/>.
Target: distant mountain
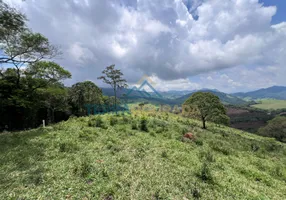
<point x="225" y="98"/>
<point x="140" y="96"/>
<point x="275" y="92"/>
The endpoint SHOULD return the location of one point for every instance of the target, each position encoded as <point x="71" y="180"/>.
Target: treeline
<point x="31" y="88"/>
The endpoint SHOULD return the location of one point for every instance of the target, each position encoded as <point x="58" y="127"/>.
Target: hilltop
<point x="116" y="157"/>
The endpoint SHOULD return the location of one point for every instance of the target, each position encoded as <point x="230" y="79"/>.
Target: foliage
<point x="275" y="128"/>
<point x="113" y="77"/>
<point x="83" y="96"/>
<point x="19" y="45"/>
<point x="143" y="124"/>
<point x="207" y="107"/>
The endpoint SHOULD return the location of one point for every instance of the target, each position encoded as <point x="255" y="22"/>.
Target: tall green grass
<point x="140" y="156"/>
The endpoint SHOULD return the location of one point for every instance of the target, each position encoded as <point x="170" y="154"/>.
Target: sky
<point x="229" y="45"/>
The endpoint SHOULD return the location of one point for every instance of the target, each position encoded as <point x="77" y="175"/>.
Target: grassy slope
<point x="269" y="104"/>
<point x="75" y="160"/>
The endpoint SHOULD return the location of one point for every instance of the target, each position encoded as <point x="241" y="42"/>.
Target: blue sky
<point x="229" y="45"/>
<point x="281" y="9"/>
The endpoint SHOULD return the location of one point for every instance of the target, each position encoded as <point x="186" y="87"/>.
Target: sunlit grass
<point x="111" y="157"/>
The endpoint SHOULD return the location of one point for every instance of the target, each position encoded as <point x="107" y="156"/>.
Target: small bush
<point x="143" y="124"/>
<point x="113" y="121"/>
<point x="99" y="122"/>
<point x="164" y="154"/>
<point x="205" y="173"/>
<point x="134" y="125"/>
<point x="199" y="142"/>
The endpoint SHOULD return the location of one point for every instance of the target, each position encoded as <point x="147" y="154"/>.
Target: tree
<point x="275" y="128"/>
<point x="113" y="77"/>
<point x="27" y="94"/>
<point x="83" y="94"/>
<point x="19" y="45"/>
<point x="207" y="107"/>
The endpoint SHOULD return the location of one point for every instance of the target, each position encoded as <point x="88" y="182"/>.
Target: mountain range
<point x="175" y="97"/>
<point x="275" y="92"/>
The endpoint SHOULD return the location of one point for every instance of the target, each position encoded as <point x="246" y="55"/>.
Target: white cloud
<point x="165" y="39"/>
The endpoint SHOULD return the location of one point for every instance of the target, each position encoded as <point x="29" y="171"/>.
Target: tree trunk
<point x="115" y="105"/>
<point x="204" y="123"/>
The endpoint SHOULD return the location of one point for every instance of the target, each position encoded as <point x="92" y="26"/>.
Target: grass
<point x="110" y="157"/>
<point x="270" y="104"/>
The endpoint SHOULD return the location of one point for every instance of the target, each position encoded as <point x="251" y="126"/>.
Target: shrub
<point x="134" y="125"/>
<point x="164" y="154"/>
<point x="113" y="120"/>
<point x="99" y="121"/>
<point x="143" y="124"/>
<point x="205" y="173"/>
<point x="199" y="142"/>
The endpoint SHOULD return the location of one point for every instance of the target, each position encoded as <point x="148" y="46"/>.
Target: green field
<point x="111" y="157"/>
<point x="270" y="104"/>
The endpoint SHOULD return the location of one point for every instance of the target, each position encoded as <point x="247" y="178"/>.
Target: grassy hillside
<point x="270" y="104"/>
<point x="110" y="157"/>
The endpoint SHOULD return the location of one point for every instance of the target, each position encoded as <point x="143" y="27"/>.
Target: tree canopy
<point x="275" y="128"/>
<point x="206" y="107"/>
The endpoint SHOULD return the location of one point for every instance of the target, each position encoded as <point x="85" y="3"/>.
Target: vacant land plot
<point x="140" y="156"/>
<point x="271" y="104"/>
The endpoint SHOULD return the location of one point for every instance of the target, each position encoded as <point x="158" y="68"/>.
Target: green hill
<point x="109" y="157"/>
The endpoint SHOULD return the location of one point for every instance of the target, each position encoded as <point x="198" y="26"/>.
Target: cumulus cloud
<point x="171" y="40"/>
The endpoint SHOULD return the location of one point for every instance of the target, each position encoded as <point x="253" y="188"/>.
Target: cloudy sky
<point x="230" y="45"/>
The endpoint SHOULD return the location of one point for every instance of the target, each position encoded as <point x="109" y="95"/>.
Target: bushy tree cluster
<point x="31" y="88"/>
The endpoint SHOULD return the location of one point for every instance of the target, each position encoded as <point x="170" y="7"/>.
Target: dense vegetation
<point x="275" y="128"/>
<point x="31" y="88"/>
<point x="140" y="156"/>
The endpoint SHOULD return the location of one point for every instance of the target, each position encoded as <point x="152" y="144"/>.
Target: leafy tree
<point x="19" y="45"/>
<point x="55" y="99"/>
<point x="275" y="128"/>
<point x="207" y="107"/>
<point x="83" y="94"/>
<point x="113" y="77"/>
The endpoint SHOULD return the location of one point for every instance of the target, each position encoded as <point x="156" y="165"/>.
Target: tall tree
<point x="207" y="107"/>
<point x="113" y="77"/>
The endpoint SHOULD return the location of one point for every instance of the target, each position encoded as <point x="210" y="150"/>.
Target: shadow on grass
<point x="20" y="157"/>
